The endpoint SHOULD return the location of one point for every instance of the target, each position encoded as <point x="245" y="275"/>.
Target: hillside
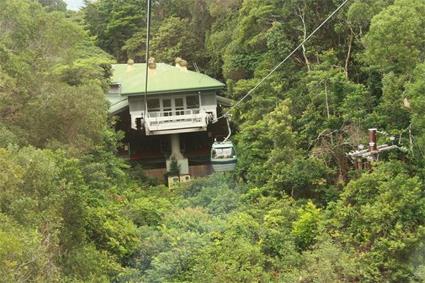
<point x="296" y="209"/>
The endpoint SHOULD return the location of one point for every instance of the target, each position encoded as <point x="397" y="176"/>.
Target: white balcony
<point x="177" y="121"/>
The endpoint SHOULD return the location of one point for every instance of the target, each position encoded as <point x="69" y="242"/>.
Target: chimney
<point x="130" y="65"/>
<point x="181" y="64"/>
<point x="151" y="66"/>
<point x="152" y="63"/>
<point x="373" y="146"/>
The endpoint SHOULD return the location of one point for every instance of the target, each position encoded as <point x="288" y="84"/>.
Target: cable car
<point x="223" y="154"/>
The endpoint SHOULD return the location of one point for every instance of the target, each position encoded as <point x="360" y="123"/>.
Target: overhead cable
<point x="148" y="31"/>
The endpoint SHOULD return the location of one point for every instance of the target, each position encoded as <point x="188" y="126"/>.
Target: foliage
<point x="51" y="75"/>
<point x="400" y="26"/>
<point x="54" y="5"/>
<point x="113" y="23"/>
<point x="382" y="213"/>
<point x="294" y="211"/>
<point x="306" y="227"/>
<point x="415" y="92"/>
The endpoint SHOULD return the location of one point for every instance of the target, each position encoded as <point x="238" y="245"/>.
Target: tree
<point x="248" y="40"/>
<point x="174" y="40"/>
<point x="415" y="93"/>
<point x="396" y="37"/>
<point x="224" y="14"/>
<point x="325" y="262"/>
<point x="266" y="142"/>
<point x="22" y="255"/>
<point x="114" y="22"/>
<point x="233" y="256"/>
<point x="62" y="71"/>
<point x="391" y="113"/>
<point x="54" y="5"/>
<point x="381" y="216"/>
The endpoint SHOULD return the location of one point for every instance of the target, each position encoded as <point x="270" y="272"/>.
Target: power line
<point x="284" y="60"/>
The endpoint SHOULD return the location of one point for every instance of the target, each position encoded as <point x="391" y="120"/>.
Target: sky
<point x="74" y="4"/>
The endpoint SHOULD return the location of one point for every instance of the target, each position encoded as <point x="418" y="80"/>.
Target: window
<point x="153" y="105"/>
<point x="192" y="102"/>
<point x="166" y="107"/>
<point x="222" y="153"/>
<point x="179" y="106"/>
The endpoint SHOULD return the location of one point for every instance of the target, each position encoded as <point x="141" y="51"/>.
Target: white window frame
<point x="173" y="102"/>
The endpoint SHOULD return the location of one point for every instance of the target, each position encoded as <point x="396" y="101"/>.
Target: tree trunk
<point x="302" y="17"/>
<point x="347" y="59"/>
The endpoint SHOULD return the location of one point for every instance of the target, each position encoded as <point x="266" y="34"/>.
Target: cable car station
<point x="172" y="121"/>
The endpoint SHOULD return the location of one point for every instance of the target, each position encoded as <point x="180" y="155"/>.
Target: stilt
<point x="177" y="156"/>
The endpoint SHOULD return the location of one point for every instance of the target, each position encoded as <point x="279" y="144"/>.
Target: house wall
<point x="137" y="108"/>
<point x="208" y="101"/>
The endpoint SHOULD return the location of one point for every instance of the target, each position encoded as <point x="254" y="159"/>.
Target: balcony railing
<point x="175" y="120"/>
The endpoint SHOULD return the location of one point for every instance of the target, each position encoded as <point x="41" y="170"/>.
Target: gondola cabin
<point x="223" y="156"/>
<point x="171" y="125"/>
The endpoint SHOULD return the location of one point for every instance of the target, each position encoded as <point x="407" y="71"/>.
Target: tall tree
<point x="54" y="5"/>
<point x="45" y="59"/>
<point x="113" y="22"/>
<point x="396" y="37"/>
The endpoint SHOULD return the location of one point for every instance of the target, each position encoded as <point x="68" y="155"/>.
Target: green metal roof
<point x="117" y="102"/>
<point x="164" y="79"/>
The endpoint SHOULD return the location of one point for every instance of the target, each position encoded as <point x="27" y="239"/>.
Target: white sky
<point x="74" y="4"/>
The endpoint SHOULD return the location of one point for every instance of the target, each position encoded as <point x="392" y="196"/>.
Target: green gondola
<point x="223" y="154"/>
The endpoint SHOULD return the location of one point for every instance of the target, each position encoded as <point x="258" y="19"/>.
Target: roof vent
<point x="130" y="62"/>
<point x="152" y="63"/>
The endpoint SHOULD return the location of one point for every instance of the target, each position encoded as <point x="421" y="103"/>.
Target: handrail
<point x="163" y="120"/>
<point x="177" y="113"/>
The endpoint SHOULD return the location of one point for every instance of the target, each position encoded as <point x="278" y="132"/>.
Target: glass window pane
<point x="166" y="103"/>
<point x="192" y="101"/>
<point x="178" y="102"/>
<point x="153" y="105"/>
<point x="179" y="106"/>
<point x="166" y="107"/>
<point x="222" y="153"/>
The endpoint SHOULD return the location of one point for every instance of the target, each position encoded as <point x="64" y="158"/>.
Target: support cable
<point x="148" y="31"/>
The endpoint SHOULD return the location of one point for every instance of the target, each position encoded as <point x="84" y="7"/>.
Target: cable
<point x="148" y="31"/>
<point x="284" y="60"/>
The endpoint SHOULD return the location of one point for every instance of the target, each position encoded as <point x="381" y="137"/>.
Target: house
<point x="175" y="121"/>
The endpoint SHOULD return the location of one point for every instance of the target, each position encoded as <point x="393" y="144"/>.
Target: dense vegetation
<point x="295" y="211"/>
